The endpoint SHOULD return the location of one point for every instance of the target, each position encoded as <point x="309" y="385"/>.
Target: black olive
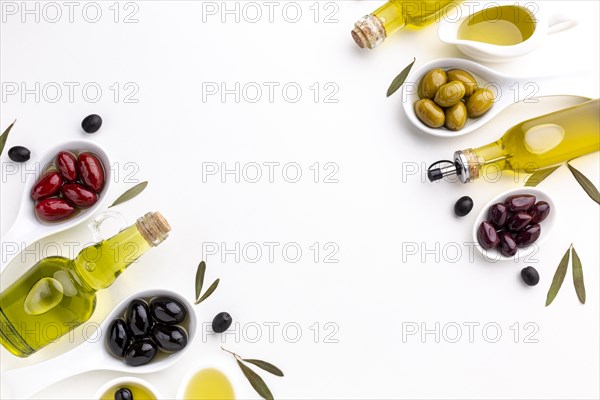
<point x="119" y="338"/>
<point x="19" y="154"/>
<point x="167" y="310"/>
<point x="123" y="394"/>
<point x="141" y="352"/>
<point x="169" y="338"/>
<point x="463" y="206"/>
<point x="138" y="318"/>
<point x="530" y="276"/>
<point x="91" y="123"/>
<point x="221" y="322"/>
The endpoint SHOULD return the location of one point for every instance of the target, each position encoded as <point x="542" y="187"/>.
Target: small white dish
<point x="235" y="376"/>
<point x="93" y="355"/>
<point x="117" y="383"/>
<point x="544" y="26"/>
<point x="546" y="225"/>
<point x="27" y="229"/>
<point x="497" y="82"/>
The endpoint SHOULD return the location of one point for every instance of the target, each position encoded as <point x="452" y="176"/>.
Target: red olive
<point x="487" y="236"/>
<point x="498" y="214"/>
<point x="53" y="209"/>
<point x="67" y="165"/>
<point x="91" y="171"/>
<point x="48" y="186"/>
<point x="78" y="195"/>
<point x="520" y="202"/>
<point x="508" y="245"/>
<point x="528" y="235"/>
<point x="539" y="212"/>
<point x="518" y="221"/>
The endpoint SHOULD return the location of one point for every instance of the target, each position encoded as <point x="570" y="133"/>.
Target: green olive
<point x="466" y="78"/>
<point x="456" y="116"/>
<point x="450" y="94"/>
<point x="429" y="113"/>
<point x="431" y="82"/>
<point x="479" y="103"/>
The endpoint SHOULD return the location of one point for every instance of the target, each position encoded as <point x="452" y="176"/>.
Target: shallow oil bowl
<point x="117" y="383"/>
<point x="486" y="77"/>
<point x="486" y="52"/>
<point x="230" y="369"/>
<point x="547" y="225"/>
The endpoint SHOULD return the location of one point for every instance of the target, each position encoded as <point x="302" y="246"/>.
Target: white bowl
<point x="544" y="25"/>
<point x="236" y="377"/>
<point x="547" y="225"/>
<point x="123" y="381"/>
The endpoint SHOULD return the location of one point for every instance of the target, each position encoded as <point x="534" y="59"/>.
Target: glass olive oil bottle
<point x="58" y="294"/>
<point x="371" y="30"/>
<point x="531" y="145"/>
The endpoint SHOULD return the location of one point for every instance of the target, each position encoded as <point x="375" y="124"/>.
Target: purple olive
<point x="539" y="212"/>
<point x="487" y="236"/>
<point x="508" y="245"/>
<point x="520" y="202"/>
<point x="498" y="214"/>
<point x="518" y="221"/>
<point x="528" y="235"/>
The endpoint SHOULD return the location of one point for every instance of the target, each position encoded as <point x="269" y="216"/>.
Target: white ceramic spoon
<point x="27" y="229"/>
<point x="507" y="90"/>
<point x="93" y="356"/>
<point x="546" y="225"/>
<point x="544" y="25"/>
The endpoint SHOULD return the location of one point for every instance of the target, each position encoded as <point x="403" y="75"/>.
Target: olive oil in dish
<point x="371" y="30"/>
<point x="530" y="145"/>
<point x="501" y="26"/>
<point x="137" y="392"/>
<point x="58" y="294"/>
<point x="209" y="384"/>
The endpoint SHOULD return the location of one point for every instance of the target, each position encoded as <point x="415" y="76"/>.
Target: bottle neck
<point x="99" y="265"/>
<point x="472" y="162"/>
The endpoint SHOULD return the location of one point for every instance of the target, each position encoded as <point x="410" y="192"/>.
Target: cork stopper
<point x="368" y="32"/>
<point x="154" y="228"/>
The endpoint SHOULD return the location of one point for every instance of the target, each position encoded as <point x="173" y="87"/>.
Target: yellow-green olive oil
<point x="209" y="384"/>
<point x="137" y="391"/>
<point x="502" y="26"/>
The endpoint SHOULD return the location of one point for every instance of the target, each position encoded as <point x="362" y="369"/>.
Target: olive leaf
<point x="130" y="193"/>
<point x="539" y="175"/>
<point x="559" y="277"/>
<point x="585" y="183"/>
<point x="200" y="279"/>
<point x="578" y="276"/>
<point x="256" y="381"/>
<point x="399" y="80"/>
<point x="4" y="136"/>
<point x="265" y="365"/>
<point x="208" y="292"/>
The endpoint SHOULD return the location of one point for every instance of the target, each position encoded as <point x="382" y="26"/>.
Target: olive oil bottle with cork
<point x="371" y="30"/>
<point x="531" y="145"/>
<point x="58" y="294"/>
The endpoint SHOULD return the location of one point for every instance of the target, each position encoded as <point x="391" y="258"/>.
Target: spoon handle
<point x="26" y="381"/>
<point x="13" y="242"/>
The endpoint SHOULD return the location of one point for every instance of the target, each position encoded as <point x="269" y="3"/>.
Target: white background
<point x="374" y="210"/>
